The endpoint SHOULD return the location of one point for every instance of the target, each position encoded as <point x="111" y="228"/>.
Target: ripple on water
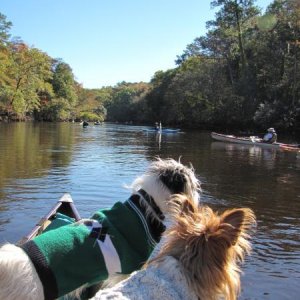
<point x="94" y="164"/>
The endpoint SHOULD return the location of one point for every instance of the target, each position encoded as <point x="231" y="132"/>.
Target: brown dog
<point x="198" y="257"/>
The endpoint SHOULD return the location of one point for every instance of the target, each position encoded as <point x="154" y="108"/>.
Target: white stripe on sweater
<point x="144" y="222"/>
<point x="110" y="255"/>
<point x="109" y="252"/>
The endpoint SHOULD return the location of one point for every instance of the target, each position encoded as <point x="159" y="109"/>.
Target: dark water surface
<point x="40" y="162"/>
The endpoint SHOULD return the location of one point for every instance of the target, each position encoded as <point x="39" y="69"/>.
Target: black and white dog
<point x="118" y="240"/>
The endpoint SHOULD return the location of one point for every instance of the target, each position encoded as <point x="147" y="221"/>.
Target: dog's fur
<point x="198" y="257"/>
<point x="18" y="277"/>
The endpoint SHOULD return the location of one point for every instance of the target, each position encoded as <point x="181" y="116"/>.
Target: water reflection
<point x="39" y="162"/>
<point x="268" y="181"/>
<point x="31" y="151"/>
<point x="254" y="154"/>
<point x="158" y="140"/>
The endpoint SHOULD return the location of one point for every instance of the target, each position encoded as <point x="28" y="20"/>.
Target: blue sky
<point x="109" y="41"/>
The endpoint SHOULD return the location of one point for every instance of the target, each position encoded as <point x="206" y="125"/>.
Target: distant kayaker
<point x="158" y="126"/>
<point x="270" y="136"/>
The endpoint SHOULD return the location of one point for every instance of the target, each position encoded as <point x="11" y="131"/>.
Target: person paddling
<point x="270" y="136"/>
<point x="158" y="127"/>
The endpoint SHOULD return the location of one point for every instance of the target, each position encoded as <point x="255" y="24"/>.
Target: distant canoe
<point x="164" y="130"/>
<point x="255" y="141"/>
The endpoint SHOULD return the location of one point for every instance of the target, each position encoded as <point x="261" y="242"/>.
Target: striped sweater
<point x="115" y="240"/>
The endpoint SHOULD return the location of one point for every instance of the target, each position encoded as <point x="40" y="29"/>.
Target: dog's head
<point x="208" y="246"/>
<point x="165" y="177"/>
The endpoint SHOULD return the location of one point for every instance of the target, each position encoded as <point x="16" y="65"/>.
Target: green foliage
<point x="93" y="101"/>
<point x="63" y="82"/>
<point x="4" y="55"/>
<point x="249" y="72"/>
<point x="101" y="111"/>
<point x="155" y="99"/>
<point x="244" y="72"/>
<point x="88" y="116"/>
<point x="4" y="30"/>
<point x="186" y="97"/>
<point x="56" y="110"/>
<point x="27" y="70"/>
<point x="278" y="75"/>
<point x="19" y="104"/>
<point x="266" y="22"/>
<point x="126" y="101"/>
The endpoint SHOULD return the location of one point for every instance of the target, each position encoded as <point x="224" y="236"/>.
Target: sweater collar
<point x="152" y="203"/>
<point x="152" y="225"/>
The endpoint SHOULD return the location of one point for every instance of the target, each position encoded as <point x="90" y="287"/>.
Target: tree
<point x="4" y="55"/>
<point x="228" y="44"/>
<point x="60" y="105"/>
<point x="234" y="19"/>
<point x="92" y="103"/>
<point x="63" y="82"/>
<point x="278" y="73"/>
<point x="28" y="69"/>
<point x="119" y="108"/>
<point x="5" y="26"/>
<point x="155" y="99"/>
<point x="127" y="102"/>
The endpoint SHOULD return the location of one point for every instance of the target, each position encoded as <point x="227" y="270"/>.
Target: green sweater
<point x="116" y="240"/>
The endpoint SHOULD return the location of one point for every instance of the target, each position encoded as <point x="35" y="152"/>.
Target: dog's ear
<point x="236" y="221"/>
<point x="188" y="207"/>
<point x="182" y="205"/>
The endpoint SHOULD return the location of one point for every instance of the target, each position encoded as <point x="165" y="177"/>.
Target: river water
<point x="40" y="162"/>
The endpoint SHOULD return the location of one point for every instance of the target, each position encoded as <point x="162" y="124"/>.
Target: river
<point x="41" y="161"/>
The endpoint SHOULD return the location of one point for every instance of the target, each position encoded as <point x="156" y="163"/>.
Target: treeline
<point x="34" y="85"/>
<point x="244" y="73"/>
